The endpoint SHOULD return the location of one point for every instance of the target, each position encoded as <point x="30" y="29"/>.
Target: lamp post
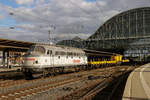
<point x="50" y="27"/>
<point x="49" y="32"/>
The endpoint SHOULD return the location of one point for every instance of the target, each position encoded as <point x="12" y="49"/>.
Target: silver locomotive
<point x="52" y="58"/>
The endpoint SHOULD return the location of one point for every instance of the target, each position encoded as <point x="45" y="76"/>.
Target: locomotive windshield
<point x="37" y="50"/>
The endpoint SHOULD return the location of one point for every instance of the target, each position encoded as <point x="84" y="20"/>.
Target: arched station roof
<point x="123" y="29"/>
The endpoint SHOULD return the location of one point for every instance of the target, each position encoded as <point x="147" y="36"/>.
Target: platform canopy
<point x="6" y="44"/>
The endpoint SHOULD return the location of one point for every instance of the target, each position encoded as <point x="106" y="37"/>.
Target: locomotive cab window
<point x="37" y="49"/>
<point x="49" y="52"/>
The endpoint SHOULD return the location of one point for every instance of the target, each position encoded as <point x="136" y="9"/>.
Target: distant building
<point x="74" y="42"/>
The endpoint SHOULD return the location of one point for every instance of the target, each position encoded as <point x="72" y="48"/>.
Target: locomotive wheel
<point x="46" y="72"/>
<point x="28" y="75"/>
<point x="77" y="69"/>
<point x="53" y="71"/>
<point x="88" y="67"/>
<point x="61" y="70"/>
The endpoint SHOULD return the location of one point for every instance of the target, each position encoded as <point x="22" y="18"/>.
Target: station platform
<point x="5" y="69"/>
<point x="138" y="84"/>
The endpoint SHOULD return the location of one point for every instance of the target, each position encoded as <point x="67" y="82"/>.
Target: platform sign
<point x="135" y="53"/>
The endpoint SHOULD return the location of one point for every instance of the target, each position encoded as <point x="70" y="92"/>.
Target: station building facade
<point x="128" y="31"/>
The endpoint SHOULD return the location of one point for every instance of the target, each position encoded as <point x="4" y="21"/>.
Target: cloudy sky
<point x="30" y="20"/>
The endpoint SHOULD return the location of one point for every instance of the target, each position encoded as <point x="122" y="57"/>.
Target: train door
<point x="51" y="58"/>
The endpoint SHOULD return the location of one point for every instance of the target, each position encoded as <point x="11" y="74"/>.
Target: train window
<point x="75" y="54"/>
<point x="63" y="53"/>
<point x="60" y="53"/>
<point x="56" y="53"/>
<point x="67" y="57"/>
<point x="80" y="54"/>
<point x="49" y="52"/>
<point x="31" y="48"/>
<point x="69" y="53"/>
<point x="37" y="49"/>
<point x="58" y="57"/>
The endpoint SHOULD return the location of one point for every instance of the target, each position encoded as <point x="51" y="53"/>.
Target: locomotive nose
<point x="30" y="61"/>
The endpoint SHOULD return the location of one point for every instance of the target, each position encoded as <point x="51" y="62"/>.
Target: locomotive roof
<point x="61" y="48"/>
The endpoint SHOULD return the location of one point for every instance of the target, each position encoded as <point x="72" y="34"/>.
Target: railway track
<point x="7" y="83"/>
<point x="114" y="90"/>
<point x="100" y="87"/>
<point x="90" y="91"/>
<point x="27" y="88"/>
<point x="38" y="88"/>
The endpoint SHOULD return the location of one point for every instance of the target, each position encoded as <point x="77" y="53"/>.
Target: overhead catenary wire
<point x="83" y="10"/>
<point x="86" y="12"/>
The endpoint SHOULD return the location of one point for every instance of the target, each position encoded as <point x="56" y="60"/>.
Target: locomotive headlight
<point x="36" y="62"/>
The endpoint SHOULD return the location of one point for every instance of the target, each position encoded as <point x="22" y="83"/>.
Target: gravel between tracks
<point x="18" y="84"/>
<point x="60" y="90"/>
